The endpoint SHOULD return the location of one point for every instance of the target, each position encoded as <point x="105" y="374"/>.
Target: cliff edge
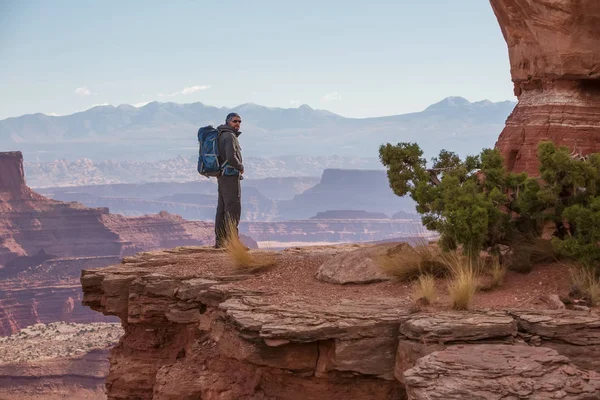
<point x="195" y="328"/>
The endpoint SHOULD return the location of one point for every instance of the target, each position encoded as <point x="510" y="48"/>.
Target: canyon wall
<point x="59" y="360"/>
<point x="80" y="377"/>
<point x="45" y="292"/>
<point x="554" y="52"/>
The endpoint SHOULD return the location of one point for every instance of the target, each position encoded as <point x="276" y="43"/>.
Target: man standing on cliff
<point x="229" y="208"/>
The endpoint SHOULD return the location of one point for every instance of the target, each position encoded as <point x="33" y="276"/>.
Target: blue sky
<point x="355" y="58"/>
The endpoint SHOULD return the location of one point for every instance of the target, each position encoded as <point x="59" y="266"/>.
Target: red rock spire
<point x="11" y="170"/>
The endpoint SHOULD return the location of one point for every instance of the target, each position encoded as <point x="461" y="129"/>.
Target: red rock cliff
<point x="11" y="170"/>
<point x="554" y="51"/>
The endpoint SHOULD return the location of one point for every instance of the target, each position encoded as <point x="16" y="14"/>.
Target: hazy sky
<point x="356" y="58"/>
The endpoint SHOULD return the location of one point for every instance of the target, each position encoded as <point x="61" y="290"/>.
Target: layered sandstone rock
<point x="195" y="330"/>
<point x="496" y="371"/>
<point x="44" y="244"/>
<point x="554" y="51"/>
<point x="80" y="377"/>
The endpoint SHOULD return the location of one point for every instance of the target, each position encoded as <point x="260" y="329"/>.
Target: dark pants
<point x="229" y="208"/>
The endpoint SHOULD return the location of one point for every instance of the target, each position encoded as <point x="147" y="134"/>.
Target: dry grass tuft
<point x="406" y="262"/>
<point x="242" y="258"/>
<point x="497" y="271"/>
<point x="424" y="289"/>
<point x="588" y="282"/>
<point x="463" y="283"/>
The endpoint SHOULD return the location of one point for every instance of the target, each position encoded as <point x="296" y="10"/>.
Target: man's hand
<point x="242" y="172"/>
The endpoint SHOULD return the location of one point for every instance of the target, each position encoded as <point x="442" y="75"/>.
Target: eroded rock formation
<point x="554" y="52"/>
<point x="44" y="244"/>
<point x="195" y="330"/>
<point x="11" y="170"/>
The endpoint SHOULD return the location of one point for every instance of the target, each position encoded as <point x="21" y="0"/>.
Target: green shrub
<point x="475" y="204"/>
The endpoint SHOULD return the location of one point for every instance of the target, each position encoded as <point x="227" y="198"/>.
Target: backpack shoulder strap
<point x="219" y="133"/>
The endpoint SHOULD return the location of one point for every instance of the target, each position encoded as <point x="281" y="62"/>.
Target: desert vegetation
<point x="496" y="271"/>
<point x="407" y="262"/>
<point x="587" y="279"/>
<point x="243" y="259"/>
<point x="424" y="289"/>
<point x="491" y="220"/>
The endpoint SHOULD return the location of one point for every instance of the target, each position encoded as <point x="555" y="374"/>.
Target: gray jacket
<point x="229" y="147"/>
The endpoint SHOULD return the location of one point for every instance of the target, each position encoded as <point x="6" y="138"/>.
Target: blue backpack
<point x="208" y="156"/>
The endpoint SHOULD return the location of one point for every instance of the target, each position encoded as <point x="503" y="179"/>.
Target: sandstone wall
<point x="554" y="52"/>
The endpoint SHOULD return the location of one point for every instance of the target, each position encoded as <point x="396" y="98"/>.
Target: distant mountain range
<point x="159" y="131"/>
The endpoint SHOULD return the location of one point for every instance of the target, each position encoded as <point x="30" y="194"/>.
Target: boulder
<point x="358" y="266"/>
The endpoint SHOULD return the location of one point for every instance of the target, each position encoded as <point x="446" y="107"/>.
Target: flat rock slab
<point x="575" y="327"/>
<point x="446" y="327"/>
<point x="358" y="266"/>
<point x="299" y="320"/>
<point x="497" y="371"/>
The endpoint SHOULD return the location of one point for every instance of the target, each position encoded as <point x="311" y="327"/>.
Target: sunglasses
<point x="237" y="121"/>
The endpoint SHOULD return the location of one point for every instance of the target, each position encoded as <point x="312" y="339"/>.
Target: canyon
<point x="335" y="230"/>
<point x="555" y="68"/>
<point x="263" y="200"/>
<point x="45" y="243"/>
<point x="197" y="327"/>
<point x="57" y="360"/>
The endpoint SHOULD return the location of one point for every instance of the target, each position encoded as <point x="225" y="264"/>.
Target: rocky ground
<point x="297" y="274"/>
<point x="322" y="323"/>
